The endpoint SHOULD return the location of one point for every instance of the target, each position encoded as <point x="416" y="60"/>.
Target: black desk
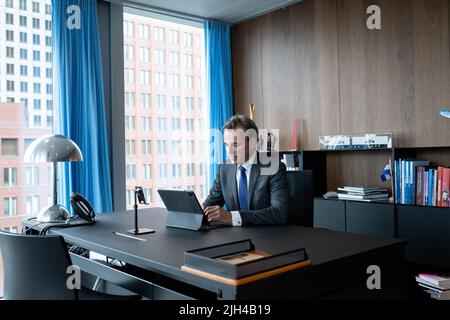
<point x="338" y="270"/>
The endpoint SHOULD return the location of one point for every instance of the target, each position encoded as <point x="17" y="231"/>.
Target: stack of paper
<point x="367" y="194"/>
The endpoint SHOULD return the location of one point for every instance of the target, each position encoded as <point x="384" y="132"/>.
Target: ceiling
<point x="231" y="11"/>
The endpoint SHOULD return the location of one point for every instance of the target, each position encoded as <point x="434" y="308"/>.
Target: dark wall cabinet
<point x="426" y="229"/>
<point x="375" y="219"/>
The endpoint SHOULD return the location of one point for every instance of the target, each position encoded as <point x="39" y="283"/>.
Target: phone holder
<point x="139" y="196"/>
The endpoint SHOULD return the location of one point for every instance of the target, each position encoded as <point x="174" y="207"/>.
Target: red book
<point x="439" y="187"/>
<point x="419" y="185"/>
<point x="445" y="186"/>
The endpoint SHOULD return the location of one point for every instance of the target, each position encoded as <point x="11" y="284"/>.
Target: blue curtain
<point x="219" y="80"/>
<point x="79" y="101"/>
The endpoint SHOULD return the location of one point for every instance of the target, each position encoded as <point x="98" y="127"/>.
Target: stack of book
<point x="436" y="285"/>
<point x="417" y="183"/>
<point x="367" y="194"/>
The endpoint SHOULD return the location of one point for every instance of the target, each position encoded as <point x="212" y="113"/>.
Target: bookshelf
<point x="424" y="227"/>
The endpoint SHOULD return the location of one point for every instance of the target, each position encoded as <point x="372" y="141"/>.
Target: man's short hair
<point x="241" y="121"/>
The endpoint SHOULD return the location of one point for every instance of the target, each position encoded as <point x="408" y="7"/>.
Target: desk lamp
<point x="53" y="148"/>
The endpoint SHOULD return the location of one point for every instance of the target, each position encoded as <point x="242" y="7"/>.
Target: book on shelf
<point x="419" y="183"/>
<point x="441" y="281"/>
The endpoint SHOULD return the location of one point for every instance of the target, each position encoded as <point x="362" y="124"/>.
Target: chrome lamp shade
<point x="53" y="148"/>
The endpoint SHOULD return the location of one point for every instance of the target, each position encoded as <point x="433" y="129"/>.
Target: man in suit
<point x="251" y="195"/>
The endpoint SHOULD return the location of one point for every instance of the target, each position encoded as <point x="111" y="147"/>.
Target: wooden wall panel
<point x="299" y="60"/>
<point x="395" y="79"/>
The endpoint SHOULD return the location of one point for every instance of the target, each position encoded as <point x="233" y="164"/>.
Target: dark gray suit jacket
<point x="268" y="200"/>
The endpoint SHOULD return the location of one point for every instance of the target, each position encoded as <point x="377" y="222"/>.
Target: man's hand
<point x="217" y="213"/>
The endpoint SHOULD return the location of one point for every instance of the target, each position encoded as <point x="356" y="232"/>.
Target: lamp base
<point x="54" y="213"/>
<point x="141" y="231"/>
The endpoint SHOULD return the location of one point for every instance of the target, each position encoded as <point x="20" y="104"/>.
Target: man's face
<point x="240" y="145"/>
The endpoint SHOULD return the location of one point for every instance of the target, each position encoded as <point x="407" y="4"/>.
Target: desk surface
<point x="163" y="250"/>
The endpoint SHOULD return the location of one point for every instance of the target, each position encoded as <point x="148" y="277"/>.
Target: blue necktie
<point x="243" y="192"/>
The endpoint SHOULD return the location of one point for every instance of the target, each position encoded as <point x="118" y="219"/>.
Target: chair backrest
<point x="35" y="267"/>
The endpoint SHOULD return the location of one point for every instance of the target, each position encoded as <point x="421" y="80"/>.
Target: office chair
<point x="35" y="269"/>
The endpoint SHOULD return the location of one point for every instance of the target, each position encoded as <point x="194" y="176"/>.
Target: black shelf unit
<point x="424" y="227"/>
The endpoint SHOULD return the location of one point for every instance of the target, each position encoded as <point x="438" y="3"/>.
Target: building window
<point x="48" y="57"/>
<point x="9" y="35"/>
<point x="175" y="102"/>
<point x="10" y="69"/>
<point x="32" y="176"/>
<point x="128" y="28"/>
<point x="174" y="80"/>
<point x="37" y="104"/>
<point x="130" y="198"/>
<point x="176" y="170"/>
<point x="48" y="41"/>
<point x="36" y="55"/>
<point x="159" y="34"/>
<point x="190" y="147"/>
<point x="129" y="99"/>
<point x="49" y="105"/>
<point x="145" y="100"/>
<point x="128" y="52"/>
<point x="161" y="144"/>
<point x="161" y="101"/>
<point x="173" y="36"/>
<point x="189" y="103"/>
<point x="160" y="79"/>
<point x="146" y="124"/>
<point x="9" y="18"/>
<point x="190" y="169"/>
<point x="159" y="56"/>
<point x="131" y="172"/>
<point x="10" y="206"/>
<point x="146" y="147"/>
<point x="144" y="54"/>
<point x="188" y="39"/>
<point x="23" y="4"/>
<point x="48" y="25"/>
<point x="9" y="177"/>
<point x="130" y="146"/>
<point x="129" y="76"/>
<point x="143" y="31"/>
<point x="176" y="147"/>
<point x="23" y="86"/>
<point x="32" y="205"/>
<point x="23" y="37"/>
<point x="187" y="82"/>
<point x="190" y="125"/>
<point x="48" y="9"/>
<point x="35" y="6"/>
<point x="10" y="86"/>
<point x="187" y="60"/>
<point x="36" y="72"/>
<point x="146" y="171"/>
<point x="174" y="58"/>
<point x="162" y="170"/>
<point x="37" y="88"/>
<point x="9" y="4"/>
<point x="37" y="121"/>
<point x="36" y="23"/>
<point x="148" y="195"/>
<point x="23" y="70"/>
<point x="161" y="124"/>
<point x="145" y="78"/>
<point x="9" y="52"/>
<point x="176" y="124"/>
<point x="24" y="54"/>
<point x="129" y="123"/>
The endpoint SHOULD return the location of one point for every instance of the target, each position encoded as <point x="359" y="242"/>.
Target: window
<point x="10" y="206"/>
<point x="36" y="55"/>
<point x="174" y="57"/>
<point x="188" y="39"/>
<point x="161" y="124"/>
<point x="144" y="54"/>
<point x="176" y="170"/>
<point x="143" y="31"/>
<point x="161" y="78"/>
<point x="129" y="99"/>
<point x="145" y="78"/>
<point x="9" y="18"/>
<point x="23" y="37"/>
<point x="128" y="53"/>
<point x="10" y="85"/>
<point x="159" y="56"/>
<point x="36" y="72"/>
<point x="36" y="23"/>
<point x="130" y="198"/>
<point x="35" y="6"/>
<point x="131" y="172"/>
<point x="48" y="57"/>
<point x="162" y="170"/>
<point x="130" y="146"/>
<point x="32" y="205"/>
<point x="9" y="4"/>
<point x="190" y="169"/>
<point x="10" y="69"/>
<point x="129" y="76"/>
<point x="23" y="70"/>
<point x="129" y="123"/>
<point x="145" y="100"/>
<point x="23" y="86"/>
<point x="175" y="102"/>
<point x="48" y="41"/>
<point x="162" y="150"/>
<point x="9" y="177"/>
<point x="23" y="4"/>
<point x="48" y="89"/>
<point x="148" y="194"/>
<point x="128" y="28"/>
<point x="159" y="34"/>
<point x="49" y="105"/>
<point x="23" y="54"/>
<point x="146" y="147"/>
<point x="37" y="121"/>
<point x="10" y="52"/>
<point x="146" y="171"/>
<point x="198" y="41"/>
<point x="146" y="124"/>
<point x="161" y="101"/>
<point x="48" y="25"/>
<point x="189" y="103"/>
<point x="176" y="124"/>
<point x="187" y="60"/>
<point x="36" y="87"/>
<point x="9" y="35"/>
<point x="49" y="121"/>
<point x="48" y="9"/>
<point x="37" y="104"/>
<point x="173" y="36"/>
<point x="48" y="73"/>
<point x="32" y="176"/>
<point x="176" y="147"/>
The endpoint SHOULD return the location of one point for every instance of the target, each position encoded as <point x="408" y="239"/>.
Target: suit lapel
<point x="254" y="175"/>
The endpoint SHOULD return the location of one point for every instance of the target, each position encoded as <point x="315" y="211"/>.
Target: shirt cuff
<point x="236" y="218"/>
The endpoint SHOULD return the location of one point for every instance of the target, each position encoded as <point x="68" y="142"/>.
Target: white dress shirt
<point x="235" y="215"/>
